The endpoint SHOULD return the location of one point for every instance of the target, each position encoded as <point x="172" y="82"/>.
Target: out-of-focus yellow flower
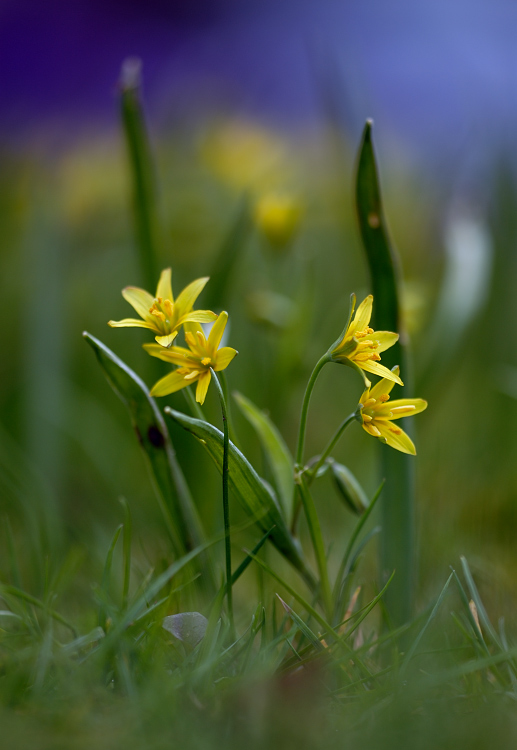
<point x="161" y="314"/>
<point x="278" y="216"/>
<point x="246" y="156"/>
<point x="377" y="415"/>
<point x="195" y="362"/>
<point x="362" y="345"/>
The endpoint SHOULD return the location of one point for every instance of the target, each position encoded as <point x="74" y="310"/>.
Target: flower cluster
<point x="165" y="317"/>
<point x="360" y="347"/>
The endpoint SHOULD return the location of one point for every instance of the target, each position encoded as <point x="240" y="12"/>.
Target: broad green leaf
<point x="179" y="511"/>
<point x="276" y="450"/>
<point x="397" y="544"/>
<point x="252" y="492"/>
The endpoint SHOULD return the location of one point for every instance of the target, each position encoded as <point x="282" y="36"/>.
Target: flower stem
<point x="330" y="447"/>
<point x="226" y="506"/>
<point x="305" y="406"/>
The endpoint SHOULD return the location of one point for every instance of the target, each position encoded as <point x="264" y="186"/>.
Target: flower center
<point x="163" y="310"/>
<point x="206" y="361"/>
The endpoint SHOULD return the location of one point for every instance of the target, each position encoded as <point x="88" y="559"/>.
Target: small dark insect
<point x="155" y="436"/>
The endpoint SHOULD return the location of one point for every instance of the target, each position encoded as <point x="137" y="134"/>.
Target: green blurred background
<point x="67" y="451"/>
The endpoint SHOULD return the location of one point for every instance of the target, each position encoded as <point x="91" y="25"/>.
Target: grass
<point x="321" y="646"/>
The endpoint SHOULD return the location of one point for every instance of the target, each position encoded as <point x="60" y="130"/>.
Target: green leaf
<point x="277" y="452"/>
<point x="397" y="548"/>
<point x="349" y="488"/>
<point x="143" y="189"/>
<point x="178" y="508"/>
<point x="254" y="495"/>
<point x="302" y="626"/>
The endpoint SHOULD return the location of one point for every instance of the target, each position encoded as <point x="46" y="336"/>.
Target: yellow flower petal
<point x="192" y="326"/>
<point x="202" y="386"/>
<point x="216" y="334"/>
<point x="362" y="316"/>
<point x="395" y="437"/>
<point x="139" y="299"/>
<point x="164" y="288"/>
<point x="383" y="386"/>
<point x="402" y="407"/>
<point x="166" y="340"/>
<point x="371" y="429"/>
<point x="189" y="295"/>
<point x="171" y="383"/>
<point x="377" y="369"/>
<point x="223" y="357"/>
<point x="385" y="339"/>
<point x="176" y="355"/>
<point x="197" y="316"/>
<point x="130" y="322"/>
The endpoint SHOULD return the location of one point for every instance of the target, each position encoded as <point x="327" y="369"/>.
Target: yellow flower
<point x="277" y="215"/>
<point x="195" y="362"/>
<point x="377" y="415"/>
<point x="161" y="314"/>
<point x="362" y="345"/>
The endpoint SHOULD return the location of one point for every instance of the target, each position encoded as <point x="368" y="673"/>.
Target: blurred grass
<point x="67" y="455"/>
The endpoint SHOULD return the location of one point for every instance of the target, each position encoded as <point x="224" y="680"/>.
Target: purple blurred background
<point x="440" y="77"/>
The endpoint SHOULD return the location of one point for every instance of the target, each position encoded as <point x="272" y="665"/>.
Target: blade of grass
<point x="355" y="534"/>
<point x="303" y="627"/>
<point x="317" y="543"/>
<point x="142" y="176"/>
<point x="397" y="547"/>
<point x="412" y="650"/>
<point x="19" y="594"/>
<point x="126" y="550"/>
<point x="313" y="612"/>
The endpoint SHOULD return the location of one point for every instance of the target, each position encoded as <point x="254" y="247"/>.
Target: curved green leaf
<point x="252" y="492"/>
<point x="169" y="483"/>
<point x="277" y="452"/>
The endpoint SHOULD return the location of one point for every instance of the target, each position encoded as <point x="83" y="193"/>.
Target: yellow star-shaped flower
<point x="161" y="313"/>
<point x="376" y="413"/>
<point x="362" y="345"/>
<point x="196" y="362"/>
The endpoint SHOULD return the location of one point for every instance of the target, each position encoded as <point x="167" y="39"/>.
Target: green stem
<point x="317" y="542"/>
<point x="330" y="447"/>
<point x="226" y="505"/>
<point x="305" y="406"/>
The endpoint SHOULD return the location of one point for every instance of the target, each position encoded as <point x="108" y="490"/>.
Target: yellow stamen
<point x="367" y="418"/>
<point x="206" y="361"/>
<point x="395" y="429"/>
<point x="384" y="397"/>
<point x="191" y="375"/>
<point x="369" y="402"/>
